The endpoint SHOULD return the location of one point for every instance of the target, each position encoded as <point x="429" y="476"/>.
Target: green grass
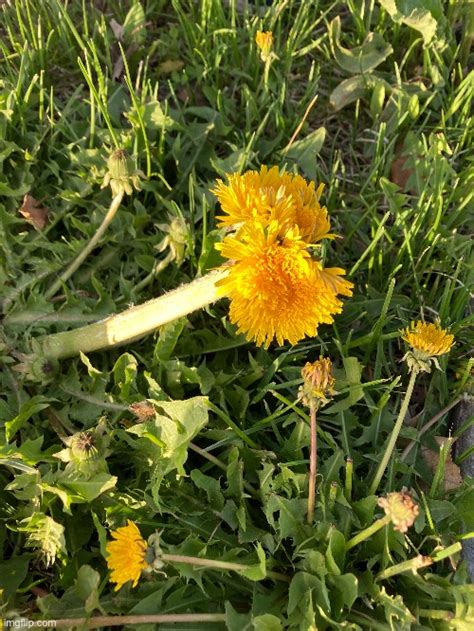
<point x="190" y="101"/>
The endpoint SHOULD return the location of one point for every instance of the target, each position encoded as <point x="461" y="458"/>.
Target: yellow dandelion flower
<point x="264" y="41"/>
<point x="276" y="290"/>
<point x="401" y="509"/>
<point x="126" y="555"/>
<point x="318" y="382"/>
<point x="428" y="340"/>
<point x="268" y="196"/>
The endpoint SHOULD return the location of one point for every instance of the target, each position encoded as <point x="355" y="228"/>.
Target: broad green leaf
<point x="211" y="486"/>
<point x="12" y="573"/>
<point x="267" y="622"/>
<point x="425" y="16"/>
<point x="125" y="372"/>
<point x="237" y="621"/>
<point x="257" y="572"/>
<point x="354" y="88"/>
<point x="87" y="588"/>
<point x="134" y="27"/>
<point x="183" y="421"/>
<point x="167" y="339"/>
<point x="89" y="489"/>
<point x="360" y="59"/>
<point x="28" y="409"/>
<point x="336" y="552"/>
<point x="305" y="150"/>
<point x="348" y="586"/>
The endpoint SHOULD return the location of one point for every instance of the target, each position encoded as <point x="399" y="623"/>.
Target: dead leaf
<point x="117" y="29"/>
<point x="452" y="473"/>
<point x="34" y="214"/>
<point x="142" y="410"/>
<point x="172" y="65"/>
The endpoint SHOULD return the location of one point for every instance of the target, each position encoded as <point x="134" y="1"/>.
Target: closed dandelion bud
<point x="427" y="342"/>
<point x="401" y="509"/>
<point x="176" y="239"/>
<point x="122" y="175"/>
<point x="414" y="106"/>
<point x="377" y="100"/>
<point x="318" y="383"/>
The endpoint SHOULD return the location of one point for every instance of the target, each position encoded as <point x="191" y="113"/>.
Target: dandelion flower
<point x="318" y="382"/>
<point x="276" y="290"/>
<point x="126" y="555"/>
<point x="427" y="340"/>
<point x="264" y="41"/>
<point x="401" y="509"/>
<point x="268" y="196"/>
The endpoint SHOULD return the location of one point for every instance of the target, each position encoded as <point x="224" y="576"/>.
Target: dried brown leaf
<point x="452" y="473"/>
<point x="34" y="214"/>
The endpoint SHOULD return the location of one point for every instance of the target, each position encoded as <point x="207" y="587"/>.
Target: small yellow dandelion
<point x="427" y="340"/>
<point x="264" y="41"/>
<point x="276" y="290"/>
<point x="318" y="382"/>
<point x="268" y="196"/>
<point x="126" y="555"/>
<point x="401" y="509"/>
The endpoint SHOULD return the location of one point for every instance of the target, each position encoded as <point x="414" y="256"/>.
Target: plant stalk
<point x="99" y="622"/>
<point x="395" y="432"/>
<point x="218" y="565"/>
<point x="367" y="532"/>
<point x="313" y="464"/>
<point x="77" y="262"/>
<point x="135" y="322"/>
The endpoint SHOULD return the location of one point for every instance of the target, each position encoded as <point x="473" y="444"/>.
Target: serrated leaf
<point x="362" y="58"/>
<point x="28" y="409"/>
<point x="87" y="588"/>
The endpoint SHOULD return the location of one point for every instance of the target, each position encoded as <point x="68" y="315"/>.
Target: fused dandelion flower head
<point x="318" y="383"/>
<point x="401" y="509"/>
<point x="427" y="341"/>
<point x="127" y="554"/>
<point x="268" y="195"/>
<point x="264" y="41"/>
<point x="277" y="290"/>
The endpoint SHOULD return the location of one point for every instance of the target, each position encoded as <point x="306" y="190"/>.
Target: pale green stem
<point x="367" y="532"/>
<point x="395" y="432"/>
<point x="77" y="262"/>
<point x="99" y="622"/>
<point x="313" y="464"/>
<point x="218" y="565"/>
<point x="411" y="565"/>
<point x="135" y="322"/>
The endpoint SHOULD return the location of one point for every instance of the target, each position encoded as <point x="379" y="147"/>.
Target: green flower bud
<point x="122" y="174"/>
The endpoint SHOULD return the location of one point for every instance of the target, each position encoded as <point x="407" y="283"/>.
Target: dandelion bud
<point x="318" y="383"/>
<point x="401" y="509"/>
<point x="121" y="174"/>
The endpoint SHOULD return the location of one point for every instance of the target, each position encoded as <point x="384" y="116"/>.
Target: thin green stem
<point x="411" y="565"/>
<point x="367" y="532"/>
<point x="99" y="622"/>
<point x="218" y="565"/>
<point x="395" y="432"/>
<point x="77" y="262"/>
